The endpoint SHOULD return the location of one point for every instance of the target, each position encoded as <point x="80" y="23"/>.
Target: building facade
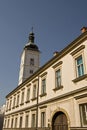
<point x="55" y="96"/>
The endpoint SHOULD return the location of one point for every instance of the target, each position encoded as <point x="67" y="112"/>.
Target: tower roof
<point x="31" y="45"/>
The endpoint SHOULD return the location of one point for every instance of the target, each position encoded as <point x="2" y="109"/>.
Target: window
<point x="83" y="114"/>
<point x="43" y="88"/>
<point x="18" y="100"/>
<point x="20" y="124"/>
<point x="14" y="101"/>
<point x="28" y="94"/>
<point x="58" y="78"/>
<point x="31" y="61"/>
<point x="12" y="123"/>
<point x="34" y="91"/>
<point x="22" y="97"/>
<point x="31" y="71"/>
<point x="33" y="120"/>
<point x="43" y="119"/>
<point x="16" y="122"/>
<point x="5" y="121"/>
<point x="8" y="123"/>
<point x="7" y="105"/>
<point x="10" y="104"/>
<point x="27" y="121"/>
<point x="79" y="66"/>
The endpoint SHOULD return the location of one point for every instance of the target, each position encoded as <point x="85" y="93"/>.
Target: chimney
<point x="84" y="29"/>
<point x="55" y="53"/>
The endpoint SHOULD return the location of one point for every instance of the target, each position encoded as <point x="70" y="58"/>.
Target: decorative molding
<point x="34" y="98"/>
<point x="58" y="64"/>
<point x="81" y="96"/>
<point x="45" y="73"/>
<point x="57" y="88"/>
<point x="41" y="107"/>
<point x="44" y="94"/>
<point x="34" y="80"/>
<point x="77" y="50"/>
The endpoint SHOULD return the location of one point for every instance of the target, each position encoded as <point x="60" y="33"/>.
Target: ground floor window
<point x="43" y="119"/>
<point x="83" y="114"/>
<point x="27" y="121"/>
<point x="21" y="119"/>
<point x="33" y="120"/>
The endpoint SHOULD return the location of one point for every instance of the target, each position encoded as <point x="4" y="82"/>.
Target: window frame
<point x="43" y="119"/>
<point x="43" y="86"/>
<point x="81" y="114"/>
<point x="33" y="122"/>
<point x="81" y="65"/>
<point x="31" y="61"/>
<point x="27" y="121"/>
<point x="34" y="93"/>
<point x="28" y="94"/>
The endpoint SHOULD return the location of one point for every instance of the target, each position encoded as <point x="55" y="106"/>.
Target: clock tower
<point x="29" y="59"/>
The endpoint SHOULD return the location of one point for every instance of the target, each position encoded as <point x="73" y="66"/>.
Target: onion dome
<point x="31" y="45"/>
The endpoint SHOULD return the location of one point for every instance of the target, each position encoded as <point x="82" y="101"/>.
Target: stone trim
<point x="59" y="63"/>
<point x="77" y="50"/>
<point x="44" y="94"/>
<point x="57" y="88"/>
<point x="45" y="73"/>
<point x="80" y="78"/>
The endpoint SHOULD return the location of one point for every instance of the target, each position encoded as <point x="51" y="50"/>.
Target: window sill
<point x="34" y="98"/>
<point x="44" y="94"/>
<point x="27" y="101"/>
<point x="80" y="78"/>
<point x="17" y="106"/>
<point x="13" y="107"/>
<point x="57" y="88"/>
<point x="21" y="104"/>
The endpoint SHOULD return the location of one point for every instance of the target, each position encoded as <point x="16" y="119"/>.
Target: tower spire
<point x="31" y="36"/>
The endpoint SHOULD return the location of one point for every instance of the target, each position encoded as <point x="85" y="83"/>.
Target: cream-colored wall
<point x="68" y="105"/>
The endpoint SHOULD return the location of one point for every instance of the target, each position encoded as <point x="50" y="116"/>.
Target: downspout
<point x="37" y="105"/>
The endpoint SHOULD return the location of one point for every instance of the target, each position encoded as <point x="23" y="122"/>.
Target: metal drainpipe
<point x="37" y="105"/>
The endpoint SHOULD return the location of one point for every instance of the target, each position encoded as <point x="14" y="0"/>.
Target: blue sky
<point x="56" y="24"/>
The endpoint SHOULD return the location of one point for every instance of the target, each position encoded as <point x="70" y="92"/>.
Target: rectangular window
<point x="43" y="119"/>
<point x="27" y="121"/>
<point x="79" y="66"/>
<point x="22" y="98"/>
<point x="43" y="88"/>
<point x="31" y="71"/>
<point x="8" y="123"/>
<point x="83" y="114"/>
<point x="34" y="91"/>
<point x="58" y="78"/>
<point x="32" y="61"/>
<point x="20" y="124"/>
<point x="28" y="94"/>
<point x="14" y="101"/>
<point x="33" y="120"/>
<point x="12" y="123"/>
<point x="18" y="100"/>
<point x="16" y="119"/>
<point x="10" y="104"/>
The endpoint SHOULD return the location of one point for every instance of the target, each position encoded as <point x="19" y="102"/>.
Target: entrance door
<point x="59" y="121"/>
